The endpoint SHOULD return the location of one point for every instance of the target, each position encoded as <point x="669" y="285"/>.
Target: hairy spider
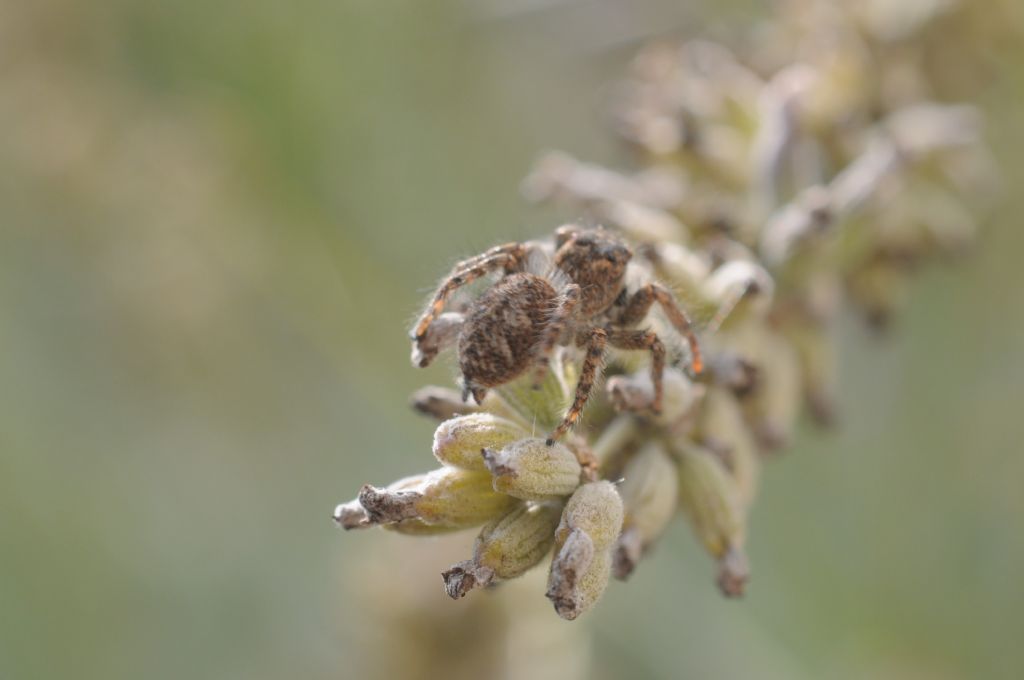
<point x="516" y="324"/>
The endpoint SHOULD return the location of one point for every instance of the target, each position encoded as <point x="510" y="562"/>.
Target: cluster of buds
<point x="814" y="169"/>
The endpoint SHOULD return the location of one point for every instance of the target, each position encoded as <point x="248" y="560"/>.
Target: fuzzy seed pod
<point x="448" y="497"/>
<point x="506" y="548"/>
<point x="711" y="500"/>
<point x="457" y="442"/>
<point x="532" y="470"/>
<point x="596" y="510"/>
<point x="649" y="494"/>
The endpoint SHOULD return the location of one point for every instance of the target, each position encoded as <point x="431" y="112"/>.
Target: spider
<point x="515" y="324"/>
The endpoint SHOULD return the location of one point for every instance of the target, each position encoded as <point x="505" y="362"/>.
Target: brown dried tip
<point x="627" y="553"/>
<point x="733" y="573"/>
<point x="464" y="577"/>
<point x="440" y="403"/>
<point x="383" y="506"/>
<point x="351" y="515"/>
<point x="572" y="560"/>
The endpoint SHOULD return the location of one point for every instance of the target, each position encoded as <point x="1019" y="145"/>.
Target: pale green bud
<point x="711" y="500"/>
<point x="724" y="431"/>
<point x="595" y="509"/>
<point x="774" y="402"/>
<point x="458" y="441"/>
<point x="532" y="470"/>
<point x="506" y="548"/>
<point x="816" y="349"/>
<point x="448" y="497"/>
<point x="643" y="223"/>
<point x="635" y="394"/>
<point x="541" y="405"/>
<point x="741" y="289"/>
<point x="649" y="490"/>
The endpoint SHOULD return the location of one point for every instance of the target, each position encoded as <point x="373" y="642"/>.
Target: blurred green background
<point x="216" y="222"/>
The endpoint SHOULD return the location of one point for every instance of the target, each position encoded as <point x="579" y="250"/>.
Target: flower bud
<point x="440" y="334"/>
<point x="351" y="515"/>
<point x="740" y="288"/>
<point x="458" y="441"/>
<point x="541" y="405"/>
<point x="775" y="404"/>
<point x="733" y="572"/>
<point x="816" y="350"/>
<point x="711" y="500"/>
<point x="596" y="510"/>
<point x="724" y="431"/>
<point x="506" y="548"/>
<point x="649" y="494"/>
<point x="532" y="470"/>
<point x="579" y="575"/>
<point x="635" y="393"/>
<point x="448" y="497"/>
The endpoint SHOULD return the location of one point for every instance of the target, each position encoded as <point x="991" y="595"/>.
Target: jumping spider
<point x="517" y="322"/>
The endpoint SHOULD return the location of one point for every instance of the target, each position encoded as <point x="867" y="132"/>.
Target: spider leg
<point x="648" y="340"/>
<point x="560" y="318"/>
<point x="478" y="267"/>
<point x="596" y="340"/>
<point x="517" y="250"/>
<point x="638" y="306"/>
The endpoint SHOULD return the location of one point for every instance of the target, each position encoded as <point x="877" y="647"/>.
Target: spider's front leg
<point x="596" y="339"/>
<point x="637" y="307"/>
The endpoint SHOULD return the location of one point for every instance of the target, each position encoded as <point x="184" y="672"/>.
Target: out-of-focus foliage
<point x="217" y="219"/>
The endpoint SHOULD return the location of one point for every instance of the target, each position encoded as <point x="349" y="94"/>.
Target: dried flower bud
<point x="733" y="572"/>
<point x="578" y="577"/>
<point x="595" y="509"/>
<point x="441" y="403"/>
<point x="441" y="333"/>
<point x="448" y="497"/>
<point x="724" y="432"/>
<point x="351" y="515"/>
<point x="740" y="288"/>
<point x="649" y="494"/>
<point x="773" y="405"/>
<point x="506" y="548"/>
<point x="711" y="500"/>
<point x="532" y="470"/>
<point x="641" y="223"/>
<point x="635" y="393"/>
<point x="458" y="441"/>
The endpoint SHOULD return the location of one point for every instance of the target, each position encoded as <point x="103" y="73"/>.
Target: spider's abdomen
<point x="498" y="337"/>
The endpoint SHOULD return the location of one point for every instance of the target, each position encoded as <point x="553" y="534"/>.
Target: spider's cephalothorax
<point x="516" y="324"/>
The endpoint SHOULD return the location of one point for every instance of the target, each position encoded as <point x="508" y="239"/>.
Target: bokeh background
<point x="216" y="222"/>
